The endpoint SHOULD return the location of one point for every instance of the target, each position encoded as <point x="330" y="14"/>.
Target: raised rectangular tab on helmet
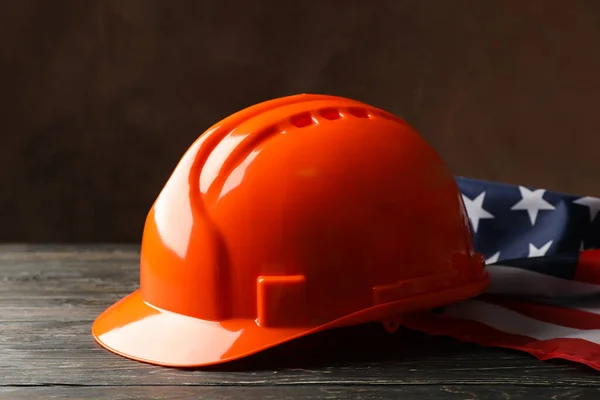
<point x="281" y="301"/>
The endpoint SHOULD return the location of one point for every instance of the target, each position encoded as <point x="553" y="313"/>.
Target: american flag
<point x="544" y="294"/>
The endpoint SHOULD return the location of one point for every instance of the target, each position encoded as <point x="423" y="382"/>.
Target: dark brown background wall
<point x="99" y="99"/>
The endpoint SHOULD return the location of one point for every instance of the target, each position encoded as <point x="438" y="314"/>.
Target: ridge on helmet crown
<point x="306" y="210"/>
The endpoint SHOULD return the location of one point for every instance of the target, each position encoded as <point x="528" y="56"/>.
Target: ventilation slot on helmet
<point x="359" y="112"/>
<point x="302" y="120"/>
<point x="330" y="113"/>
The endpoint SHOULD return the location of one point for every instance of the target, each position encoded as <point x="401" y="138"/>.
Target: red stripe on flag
<point x="588" y="267"/>
<point x="563" y="316"/>
<point x="576" y="350"/>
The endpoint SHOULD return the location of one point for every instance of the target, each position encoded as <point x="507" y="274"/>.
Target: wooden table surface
<point x="49" y="296"/>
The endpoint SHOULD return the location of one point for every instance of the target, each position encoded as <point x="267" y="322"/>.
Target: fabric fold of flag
<point x="544" y="293"/>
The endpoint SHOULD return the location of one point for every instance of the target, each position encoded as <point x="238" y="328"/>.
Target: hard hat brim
<point x="139" y="331"/>
<point x="134" y="329"/>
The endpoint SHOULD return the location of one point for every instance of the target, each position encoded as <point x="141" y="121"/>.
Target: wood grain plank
<point x="49" y="296"/>
<point x="457" y="392"/>
<point x="51" y="353"/>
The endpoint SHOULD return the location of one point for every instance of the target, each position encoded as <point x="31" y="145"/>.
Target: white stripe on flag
<point x="522" y="282"/>
<point x="509" y="321"/>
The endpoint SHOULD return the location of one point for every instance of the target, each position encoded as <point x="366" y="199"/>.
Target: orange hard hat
<point x="292" y="216"/>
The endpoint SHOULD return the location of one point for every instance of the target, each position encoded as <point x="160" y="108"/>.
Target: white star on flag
<point x="475" y="210"/>
<point x="535" y="252"/>
<point x="532" y="201"/>
<point x="493" y="259"/>
<point x="592" y="203"/>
